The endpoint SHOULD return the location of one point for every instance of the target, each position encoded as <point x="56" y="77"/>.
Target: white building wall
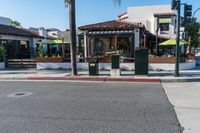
<point x="146" y="13"/>
<point x="123" y="66"/>
<point x="53" y="34"/>
<point x="5" y="21"/>
<point x="42" y="32"/>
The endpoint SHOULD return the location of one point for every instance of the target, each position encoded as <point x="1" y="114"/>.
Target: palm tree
<point x="72" y="23"/>
<point x="117" y="2"/>
<point x="16" y="23"/>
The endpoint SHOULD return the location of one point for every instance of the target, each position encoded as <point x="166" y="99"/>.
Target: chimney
<point x="42" y="32"/>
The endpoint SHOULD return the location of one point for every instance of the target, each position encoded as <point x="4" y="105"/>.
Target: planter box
<point x="49" y="59"/>
<point x="2" y="65"/>
<point x="164" y="60"/>
<point x="123" y="66"/>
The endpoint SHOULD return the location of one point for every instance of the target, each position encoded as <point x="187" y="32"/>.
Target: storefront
<point x="19" y="43"/>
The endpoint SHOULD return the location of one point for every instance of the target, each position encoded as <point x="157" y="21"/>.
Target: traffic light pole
<point x="195" y="12"/>
<point x="177" y="38"/>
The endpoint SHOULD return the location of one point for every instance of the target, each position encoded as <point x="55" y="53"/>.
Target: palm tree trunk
<point x="72" y="24"/>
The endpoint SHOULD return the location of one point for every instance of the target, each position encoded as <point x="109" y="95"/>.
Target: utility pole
<point x="72" y="23"/>
<point x="178" y="38"/>
<point x="176" y="5"/>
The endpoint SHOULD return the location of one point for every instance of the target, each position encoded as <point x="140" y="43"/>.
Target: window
<point x="164" y="27"/>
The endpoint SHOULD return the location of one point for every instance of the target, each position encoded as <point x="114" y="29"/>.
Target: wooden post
<point x="137" y="38"/>
<point x="85" y="47"/>
<point x="115" y="42"/>
<point x="89" y="46"/>
<point x="63" y="49"/>
<point x="145" y="40"/>
<point x="189" y="45"/>
<point x="132" y="47"/>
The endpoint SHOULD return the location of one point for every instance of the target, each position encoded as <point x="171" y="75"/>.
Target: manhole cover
<point x="20" y="94"/>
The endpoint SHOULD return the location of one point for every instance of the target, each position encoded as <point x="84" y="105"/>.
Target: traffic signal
<point x="187" y="13"/>
<point x="174" y="4"/>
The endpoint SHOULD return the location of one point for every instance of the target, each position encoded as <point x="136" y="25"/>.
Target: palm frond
<point x="67" y="2"/>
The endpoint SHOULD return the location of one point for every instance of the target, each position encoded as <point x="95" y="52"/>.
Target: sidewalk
<point x="154" y="76"/>
<point x="185" y="97"/>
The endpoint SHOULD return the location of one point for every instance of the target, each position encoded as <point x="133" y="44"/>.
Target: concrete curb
<point x="13" y="78"/>
<point x="109" y="79"/>
<point x="104" y="79"/>
<point x="176" y="80"/>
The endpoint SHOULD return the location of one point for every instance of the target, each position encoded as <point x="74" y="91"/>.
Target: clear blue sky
<point x="53" y="13"/>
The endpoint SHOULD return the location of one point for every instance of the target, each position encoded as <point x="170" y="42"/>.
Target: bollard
<point x="115" y="68"/>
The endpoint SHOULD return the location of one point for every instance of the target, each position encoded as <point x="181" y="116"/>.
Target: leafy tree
<point x="16" y="23"/>
<point x="193" y="29"/>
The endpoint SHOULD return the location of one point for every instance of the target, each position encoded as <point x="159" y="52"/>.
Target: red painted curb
<point x="134" y="79"/>
<point x="78" y="78"/>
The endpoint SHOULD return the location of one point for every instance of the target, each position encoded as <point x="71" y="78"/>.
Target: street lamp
<point x="195" y="12"/>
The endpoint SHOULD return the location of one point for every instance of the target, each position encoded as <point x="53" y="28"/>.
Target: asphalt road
<point x="85" y="108"/>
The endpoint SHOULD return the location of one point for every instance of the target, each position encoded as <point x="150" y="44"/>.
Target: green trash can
<point x="93" y="67"/>
<point x="141" y="62"/>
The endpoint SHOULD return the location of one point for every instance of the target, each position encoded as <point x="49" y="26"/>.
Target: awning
<point x="53" y="42"/>
<point x="165" y="20"/>
<point x="172" y="42"/>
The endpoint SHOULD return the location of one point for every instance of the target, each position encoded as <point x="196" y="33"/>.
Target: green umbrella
<point x="57" y="41"/>
<point x="172" y="42"/>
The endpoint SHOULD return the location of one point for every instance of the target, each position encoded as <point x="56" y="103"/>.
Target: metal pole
<point x="177" y="39"/>
<point x="195" y="12"/>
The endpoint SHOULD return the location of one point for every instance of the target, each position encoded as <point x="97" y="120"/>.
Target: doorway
<point x="18" y="49"/>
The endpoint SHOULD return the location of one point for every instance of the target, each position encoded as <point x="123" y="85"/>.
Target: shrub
<point x="40" y="51"/>
<point x="2" y="52"/>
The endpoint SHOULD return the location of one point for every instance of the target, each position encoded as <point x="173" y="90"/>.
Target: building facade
<point x="158" y="18"/>
<point x="158" y="22"/>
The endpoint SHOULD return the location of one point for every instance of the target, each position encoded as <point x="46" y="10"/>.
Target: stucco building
<point x="140" y="26"/>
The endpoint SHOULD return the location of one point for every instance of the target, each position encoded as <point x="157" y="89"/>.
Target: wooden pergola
<point x="116" y="33"/>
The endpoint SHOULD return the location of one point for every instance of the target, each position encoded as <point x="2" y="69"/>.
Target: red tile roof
<point x="164" y="14"/>
<point x="112" y="25"/>
<point x="122" y="14"/>
<point x="11" y="30"/>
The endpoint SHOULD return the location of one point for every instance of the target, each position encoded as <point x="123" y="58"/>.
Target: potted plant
<point x="2" y="56"/>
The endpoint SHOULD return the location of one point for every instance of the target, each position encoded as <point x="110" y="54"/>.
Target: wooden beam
<point x="63" y="48"/>
<point x="85" y="46"/>
<point x="115" y="42"/>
